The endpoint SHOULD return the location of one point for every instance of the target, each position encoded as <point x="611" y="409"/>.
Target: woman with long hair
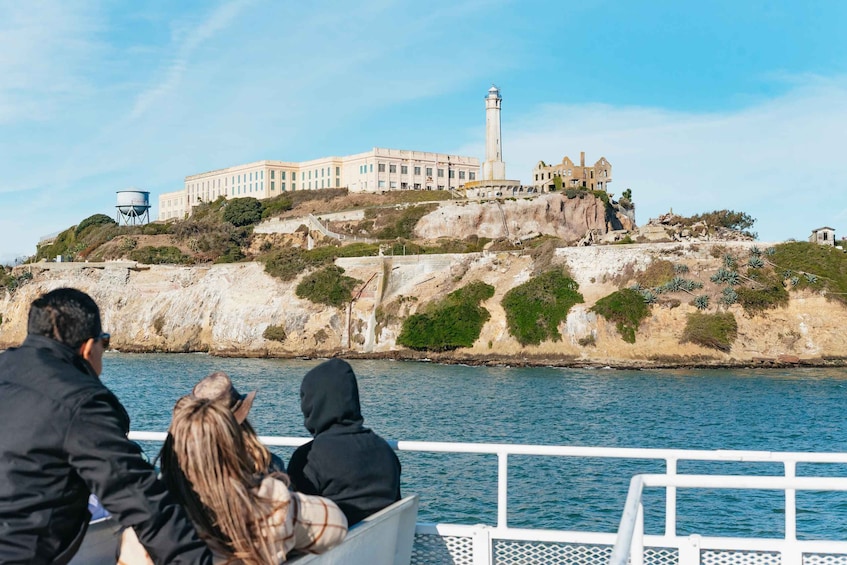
<point x="245" y="514"/>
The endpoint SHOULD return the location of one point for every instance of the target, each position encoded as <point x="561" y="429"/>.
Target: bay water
<point x="798" y="409"/>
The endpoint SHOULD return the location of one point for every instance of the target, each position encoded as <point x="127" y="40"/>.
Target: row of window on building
<point x="246" y="178"/>
<point x="404" y="170"/>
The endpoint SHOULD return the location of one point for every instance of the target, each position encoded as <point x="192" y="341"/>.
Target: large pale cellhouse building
<point x="378" y="170"/>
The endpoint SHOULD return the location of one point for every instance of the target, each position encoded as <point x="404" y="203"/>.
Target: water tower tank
<point x="133" y="207"/>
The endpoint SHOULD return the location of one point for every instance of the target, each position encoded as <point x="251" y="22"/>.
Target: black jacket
<point x="64" y="436"/>
<point x="346" y="462"/>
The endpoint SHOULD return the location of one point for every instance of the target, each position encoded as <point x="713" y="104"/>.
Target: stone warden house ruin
<point x="594" y="177"/>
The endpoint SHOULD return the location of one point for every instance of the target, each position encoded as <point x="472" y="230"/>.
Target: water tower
<point x="133" y="207"/>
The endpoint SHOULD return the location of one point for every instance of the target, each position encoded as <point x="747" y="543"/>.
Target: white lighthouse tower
<point x="492" y="182"/>
<point x="493" y="168"/>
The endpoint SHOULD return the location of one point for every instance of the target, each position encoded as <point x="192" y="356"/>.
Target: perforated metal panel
<point x="739" y="558"/>
<point x="438" y="550"/>
<point x="661" y="556"/>
<point x="509" y="552"/>
<point x="818" y="559"/>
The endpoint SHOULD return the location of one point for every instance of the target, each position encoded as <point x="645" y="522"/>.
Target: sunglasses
<point x="104" y="338"/>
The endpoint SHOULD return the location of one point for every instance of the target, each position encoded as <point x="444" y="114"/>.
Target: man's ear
<point x="85" y="349"/>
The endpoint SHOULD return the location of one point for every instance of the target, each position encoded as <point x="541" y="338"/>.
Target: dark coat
<point x="64" y="435"/>
<point x="346" y="462"/>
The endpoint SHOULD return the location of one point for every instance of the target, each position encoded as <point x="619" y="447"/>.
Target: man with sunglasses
<point x="64" y="436"/>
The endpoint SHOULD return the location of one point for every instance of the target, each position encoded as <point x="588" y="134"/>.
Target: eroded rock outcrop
<point x="548" y="214"/>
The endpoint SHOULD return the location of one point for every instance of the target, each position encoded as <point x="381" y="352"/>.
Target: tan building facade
<point x="378" y="170"/>
<point x="592" y="177"/>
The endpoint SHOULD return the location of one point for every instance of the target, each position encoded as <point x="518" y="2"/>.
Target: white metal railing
<point x="483" y="536"/>
<point x="629" y="545"/>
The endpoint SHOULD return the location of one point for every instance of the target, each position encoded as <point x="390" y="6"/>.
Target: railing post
<point x="482" y="553"/>
<point x="502" y="489"/>
<point x="670" y="501"/>
<point x="790" y="504"/>
<point x="791" y="554"/>
<point x="636" y="553"/>
<point x="689" y="550"/>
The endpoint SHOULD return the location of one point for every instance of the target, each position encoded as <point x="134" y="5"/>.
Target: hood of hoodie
<point x="329" y="395"/>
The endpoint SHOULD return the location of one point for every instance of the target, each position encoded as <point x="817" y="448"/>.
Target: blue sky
<point x="698" y="106"/>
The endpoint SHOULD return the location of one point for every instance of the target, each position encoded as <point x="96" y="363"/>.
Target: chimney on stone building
<point x="582" y="158"/>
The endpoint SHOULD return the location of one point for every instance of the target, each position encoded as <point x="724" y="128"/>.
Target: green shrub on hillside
<point x="535" y="309"/>
<point x="62" y="245"/>
<point x="656" y="274"/>
<point x="275" y="333"/>
<point x="557" y="183"/>
<point x="626" y="308"/>
<point x="767" y="291"/>
<point x="729" y="219"/>
<point x="472" y="244"/>
<point x="405" y="225"/>
<point x="233" y="254"/>
<point x="299" y="197"/>
<point x="276" y="206"/>
<point x="150" y="255"/>
<point x="10" y="282"/>
<point x="327" y="286"/>
<point x="450" y="323"/>
<point x="602" y="195"/>
<point x="95" y="220"/>
<point x="78" y="242"/>
<point x="207" y="235"/>
<point x="828" y="265"/>
<point x="242" y="212"/>
<point x="288" y="262"/>
<point x="716" y="331"/>
<point x="157" y="228"/>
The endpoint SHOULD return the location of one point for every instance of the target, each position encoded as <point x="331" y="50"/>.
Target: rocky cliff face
<point x="224" y="309"/>
<point x="549" y="214"/>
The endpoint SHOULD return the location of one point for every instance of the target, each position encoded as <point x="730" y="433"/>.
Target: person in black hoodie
<point x="345" y="462"/>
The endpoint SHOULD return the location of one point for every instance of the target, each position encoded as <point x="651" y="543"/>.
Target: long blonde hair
<point x="215" y="473"/>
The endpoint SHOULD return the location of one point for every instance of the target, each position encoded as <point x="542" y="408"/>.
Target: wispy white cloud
<point x="780" y="161"/>
<point x="187" y="38"/>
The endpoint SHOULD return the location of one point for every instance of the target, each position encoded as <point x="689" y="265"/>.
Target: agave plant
<point x="756" y="262"/>
<point x="729" y="296"/>
<point x="649" y="296"/>
<point x="728" y="261"/>
<point x="675" y="284"/>
<point x="725" y="276"/>
<point x="680" y="268"/>
<point x="691" y="285"/>
<point x="701" y="302"/>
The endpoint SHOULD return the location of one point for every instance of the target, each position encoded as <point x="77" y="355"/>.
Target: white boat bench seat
<point x="384" y="538"/>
